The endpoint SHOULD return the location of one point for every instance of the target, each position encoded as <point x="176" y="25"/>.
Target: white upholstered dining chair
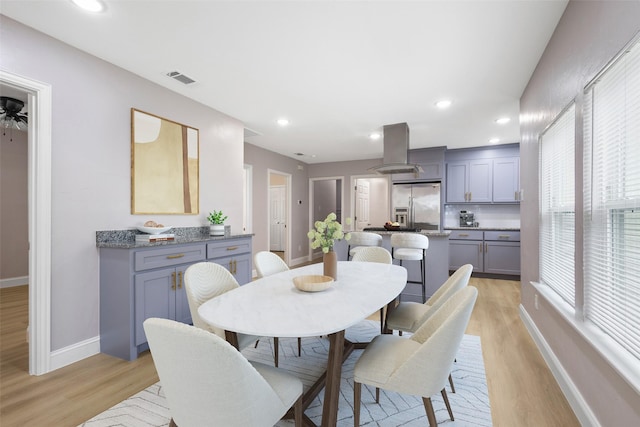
<point x="207" y="382"/>
<point x="407" y="316"/>
<point x="268" y="263"/>
<point x="418" y="365"/>
<point x="374" y="254"/>
<point x="204" y="281"/>
<point x="362" y="239"/>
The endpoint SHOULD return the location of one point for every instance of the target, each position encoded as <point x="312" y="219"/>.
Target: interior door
<point x="363" y="194"/>
<point x="277" y="217"/>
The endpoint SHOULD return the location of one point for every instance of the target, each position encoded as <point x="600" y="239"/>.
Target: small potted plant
<point x="216" y="219"/>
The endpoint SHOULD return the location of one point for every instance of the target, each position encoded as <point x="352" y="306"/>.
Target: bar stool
<point x="411" y="247"/>
<point x="360" y="239"/>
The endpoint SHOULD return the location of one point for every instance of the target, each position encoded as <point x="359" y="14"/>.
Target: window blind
<point x="612" y="201"/>
<point x="557" y="205"/>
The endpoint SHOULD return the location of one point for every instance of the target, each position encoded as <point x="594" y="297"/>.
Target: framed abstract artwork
<point x="164" y="166"/>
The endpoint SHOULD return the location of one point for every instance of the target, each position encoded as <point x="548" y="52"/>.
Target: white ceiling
<point x="338" y="70"/>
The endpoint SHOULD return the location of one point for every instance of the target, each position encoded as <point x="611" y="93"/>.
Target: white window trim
<point x="616" y="355"/>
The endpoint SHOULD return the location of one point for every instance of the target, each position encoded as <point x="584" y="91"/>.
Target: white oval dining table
<point x="273" y="307"/>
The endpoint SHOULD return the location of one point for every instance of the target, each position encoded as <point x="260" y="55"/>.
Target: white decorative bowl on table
<point x="153" y="230"/>
<point x="312" y="283"/>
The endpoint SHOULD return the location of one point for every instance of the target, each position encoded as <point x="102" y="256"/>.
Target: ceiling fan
<point x="11" y="116"/>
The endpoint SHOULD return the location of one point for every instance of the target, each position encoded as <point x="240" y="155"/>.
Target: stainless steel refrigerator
<point x="417" y="205"/>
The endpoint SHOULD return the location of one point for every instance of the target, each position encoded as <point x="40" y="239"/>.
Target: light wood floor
<point x="522" y="390"/>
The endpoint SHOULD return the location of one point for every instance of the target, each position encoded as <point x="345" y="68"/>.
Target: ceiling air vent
<point x="177" y="75"/>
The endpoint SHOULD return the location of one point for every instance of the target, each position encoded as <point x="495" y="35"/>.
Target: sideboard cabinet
<point x="139" y="282"/>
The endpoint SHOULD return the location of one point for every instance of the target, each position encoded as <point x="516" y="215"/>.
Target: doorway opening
<point x="279" y="214"/>
<point x="371" y="204"/>
<point x="326" y="195"/>
<point x="39" y="217"/>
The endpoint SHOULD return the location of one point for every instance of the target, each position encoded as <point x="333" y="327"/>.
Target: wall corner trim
<point x="580" y="407"/>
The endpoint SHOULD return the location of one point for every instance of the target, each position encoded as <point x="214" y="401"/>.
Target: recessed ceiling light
<point x="445" y="103"/>
<point x="503" y="120"/>
<point x="374" y="136"/>
<point x="494" y="140"/>
<point x="89" y="5"/>
<point x="283" y="122"/>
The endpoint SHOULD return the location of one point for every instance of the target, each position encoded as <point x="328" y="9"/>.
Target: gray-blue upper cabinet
<point x="470" y="181"/>
<point x="506" y="180"/>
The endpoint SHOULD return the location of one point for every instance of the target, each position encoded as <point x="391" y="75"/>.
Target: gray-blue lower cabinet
<point x="502" y="252"/>
<point x="234" y="255"/>
<point x="160" y="293"/>
<point x="141" y="282"/>
<point x="493" y="252"/>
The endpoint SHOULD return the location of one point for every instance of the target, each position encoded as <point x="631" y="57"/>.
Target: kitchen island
<point x="436" y="266"/>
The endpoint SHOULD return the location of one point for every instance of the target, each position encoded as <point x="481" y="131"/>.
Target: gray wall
<point x="91" y="160"/>
<point x="14" y="230"/>
<point x="262" y="160"/>
<point x="346" y="170"/>
<point x="588" y="36"/>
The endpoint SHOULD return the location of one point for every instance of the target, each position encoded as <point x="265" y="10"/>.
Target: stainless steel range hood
<point x="396" y="151"/>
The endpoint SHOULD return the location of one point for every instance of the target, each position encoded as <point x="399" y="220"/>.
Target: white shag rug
<point x="470" y="402"/>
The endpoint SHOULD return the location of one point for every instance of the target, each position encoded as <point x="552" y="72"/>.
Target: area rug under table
<point x="470" y="402"/>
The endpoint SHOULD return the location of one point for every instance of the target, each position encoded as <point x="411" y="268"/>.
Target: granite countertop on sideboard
<point x="485" y="228"/>
<point x="126" y="239"/>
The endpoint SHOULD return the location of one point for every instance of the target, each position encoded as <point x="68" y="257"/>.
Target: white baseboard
<point x="580" y="407"/>
<point x="298" y="261"/>
<point x="74" y="353"/>
<point x="14" y="281"/>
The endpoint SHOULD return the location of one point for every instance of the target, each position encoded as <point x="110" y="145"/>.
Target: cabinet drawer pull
<point x="232" y="248"/>
<point x="175" y="256"/>
<point x="173" y="281"/>
<point x="486" y="248"/>
<point x="463" y="234"/>
<point x="503" y="236"/>
<point x="480" y="248"/>
<point x="179" y="279"/>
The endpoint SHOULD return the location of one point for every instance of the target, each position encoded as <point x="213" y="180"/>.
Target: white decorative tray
<point x="153" y="230"/>
<point x="312" y="283"/>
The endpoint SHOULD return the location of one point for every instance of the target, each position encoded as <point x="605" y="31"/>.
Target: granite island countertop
<point x="428" y="233"/>
<point x="485" y="228"/>
<point x="126" y="239"/>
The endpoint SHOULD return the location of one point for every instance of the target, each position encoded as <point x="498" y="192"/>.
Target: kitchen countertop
<point x="485" y="228"/>
<point x="428" y="233"/>
<point x="125" y="239"/>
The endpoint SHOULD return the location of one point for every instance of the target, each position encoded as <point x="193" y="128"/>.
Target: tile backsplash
<point x="486" y="216"/>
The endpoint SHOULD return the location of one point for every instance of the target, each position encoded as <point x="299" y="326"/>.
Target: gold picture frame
<point x="165" y="169"/>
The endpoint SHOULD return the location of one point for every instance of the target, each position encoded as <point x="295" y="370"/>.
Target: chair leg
<point x="172" y="423"/>
<point x="356" y="403"/>
<point x="422" y="276"/>
<point x="298" y="412"/>
<point x="446" y="402"/>
<point x="299" y="346"/>
<point x="377" y="394"/>
<point x="382" y="320"/>
<point x="256" y="346"/>
<point x="276" y="348"/>
<point x="453" y="389"/>
<point x="431" y="416"/>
